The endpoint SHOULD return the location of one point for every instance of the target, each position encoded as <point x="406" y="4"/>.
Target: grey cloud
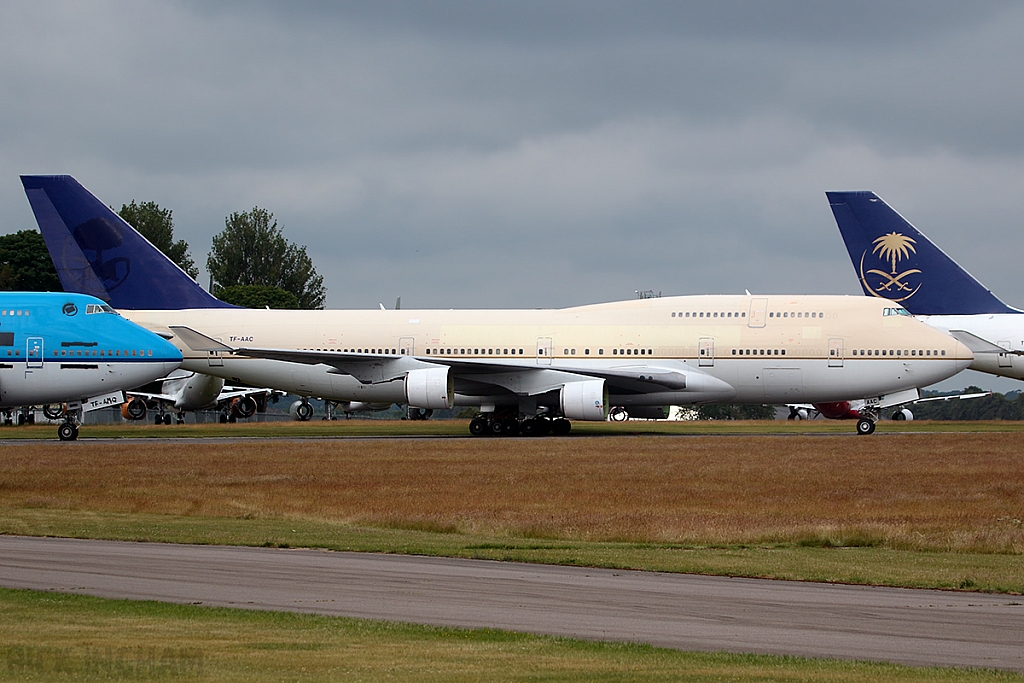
<point x="533" y="153"/>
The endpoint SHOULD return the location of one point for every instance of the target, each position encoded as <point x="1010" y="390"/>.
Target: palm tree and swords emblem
<point x="892" y="247"/>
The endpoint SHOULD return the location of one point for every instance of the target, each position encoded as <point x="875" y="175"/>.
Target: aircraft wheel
<point x="543" y="426"/>
<point x="478" y="426"/>
<point x="498" y="428"/>
<point x="67" y="432"/>
<point x="865" y="426"/>
<point x="529" y="427"/>
<point x="180" y="419"/>
<point x="561" y="427"/>
<point x="223" y="418"/>
<point x="21" y="419"/>
<point x="511" y="426"/>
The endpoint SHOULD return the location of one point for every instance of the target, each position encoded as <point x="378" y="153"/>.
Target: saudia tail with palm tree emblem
<point x="895" y="261"/>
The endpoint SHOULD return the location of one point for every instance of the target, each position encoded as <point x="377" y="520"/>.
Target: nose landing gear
<point x="866" y="421"/>
<point x="865" y="426"/>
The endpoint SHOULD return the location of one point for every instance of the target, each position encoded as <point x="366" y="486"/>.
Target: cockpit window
<point x="895" y="311"/>
<point x="98" y="308"/>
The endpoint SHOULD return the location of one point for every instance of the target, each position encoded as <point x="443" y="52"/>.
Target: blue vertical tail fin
<point x="96" y="252"/>
<point x="895" y="261"/>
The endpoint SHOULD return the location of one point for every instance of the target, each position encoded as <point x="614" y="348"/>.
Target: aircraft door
<point x="835" y="353"/>
<point x="758" y="313"/>
<point x="408" y="345"/>
<point x="706" y="352"/>
<point x="544" y="350"/>
<point x="216" y="361"/>
<point x="34" y="352"/>
<point x="1005" y="359"/>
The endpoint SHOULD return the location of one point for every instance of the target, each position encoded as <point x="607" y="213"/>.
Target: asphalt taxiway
<point x="919" y="627"/>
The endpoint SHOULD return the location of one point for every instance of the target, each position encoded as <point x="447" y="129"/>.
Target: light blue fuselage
<point x="58" y="347"/>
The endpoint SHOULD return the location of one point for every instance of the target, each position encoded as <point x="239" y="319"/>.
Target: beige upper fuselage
<point x="735" y="348"/>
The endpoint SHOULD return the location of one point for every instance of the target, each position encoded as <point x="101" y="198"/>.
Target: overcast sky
<point x="533" y="154"/>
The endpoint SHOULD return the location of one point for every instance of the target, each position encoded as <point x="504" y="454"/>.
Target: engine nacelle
<point x="432" y="388"/>
<point x="243" y="406"/>
<point x="55" y="411"/>
<point x="300" y="411"/>
<point x="903" y="414"/>
<point x="586" y="400"/>
<point x="134" y="409"/>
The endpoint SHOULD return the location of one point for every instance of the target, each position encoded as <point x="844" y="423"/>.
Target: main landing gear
<point x="488" y="424"/>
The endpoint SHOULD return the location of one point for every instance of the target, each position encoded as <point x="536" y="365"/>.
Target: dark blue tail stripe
<point x="97" y="253"/>
<point x="895" y="261"/>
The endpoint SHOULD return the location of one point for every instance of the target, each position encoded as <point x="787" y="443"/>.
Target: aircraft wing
<point x="954" y="397"/>
<point x="978" y="345"/>
<point x="163" y="398"/>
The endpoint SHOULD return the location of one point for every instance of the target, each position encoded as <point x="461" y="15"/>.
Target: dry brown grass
<point x="951" y="492"/>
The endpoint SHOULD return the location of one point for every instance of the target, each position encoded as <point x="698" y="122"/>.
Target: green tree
<point x="25" y="264"/>
<point x="994" y="407"/>
<point x="252" y="251"/>
<point x="258" y="296"/>
<point x="157" y="226"/>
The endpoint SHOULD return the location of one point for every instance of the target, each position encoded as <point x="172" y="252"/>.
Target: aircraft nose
<point x="172" y="353"/>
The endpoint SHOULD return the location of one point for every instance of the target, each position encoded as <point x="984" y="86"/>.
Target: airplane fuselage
<point x="57" y="347"/>
<point x="1002" y="329"/>
<point x="746" y="349"/>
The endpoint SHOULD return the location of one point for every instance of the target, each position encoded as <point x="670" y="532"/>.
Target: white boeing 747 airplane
<point x="527" y="371"/>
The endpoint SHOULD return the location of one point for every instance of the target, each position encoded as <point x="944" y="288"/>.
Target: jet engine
<point x="135" y="409"/>
<point x="586" y="400"/>
<point x="432" y="388"/>
<point x="243" y="406"/>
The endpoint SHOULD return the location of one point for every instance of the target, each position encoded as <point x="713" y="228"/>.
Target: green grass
<point x="340" y="428"/>
<point x="57" y="637"/>
<point x="807" y="560"/>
